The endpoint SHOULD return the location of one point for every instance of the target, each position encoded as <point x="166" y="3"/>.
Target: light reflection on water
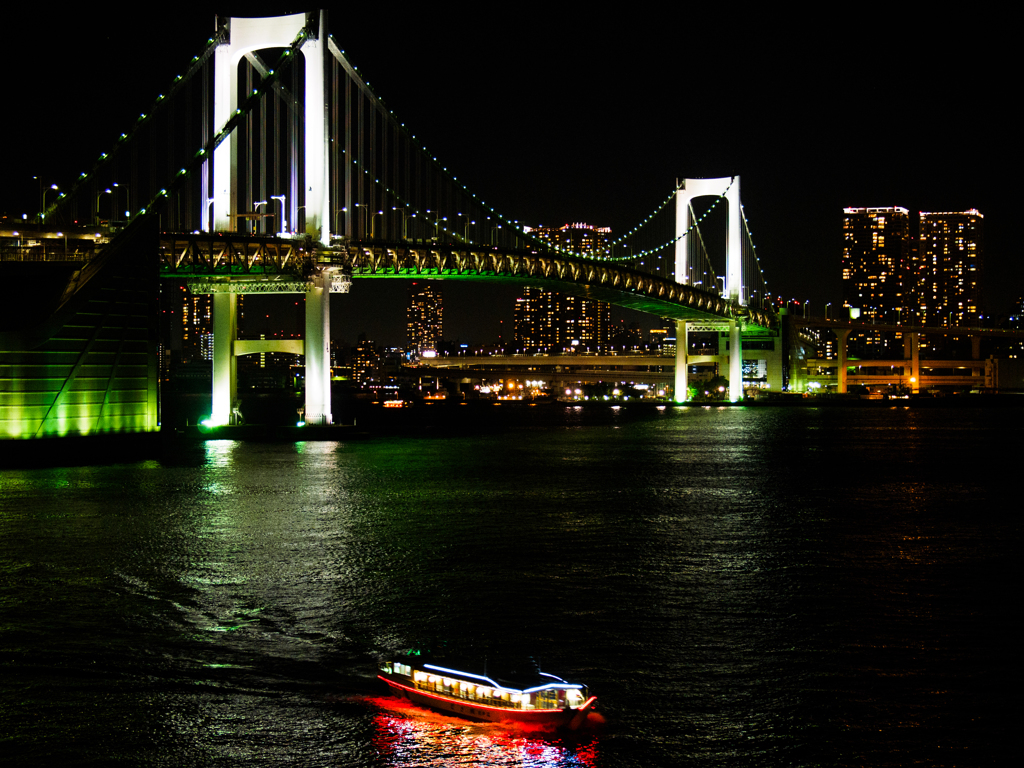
<point x="408" y="736"/>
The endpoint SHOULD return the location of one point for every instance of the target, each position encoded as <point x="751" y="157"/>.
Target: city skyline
<point x="791" y="119"/>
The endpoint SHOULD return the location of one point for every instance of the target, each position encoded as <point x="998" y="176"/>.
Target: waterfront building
<point x="535" y="319"/>
<point x="552" y="320"/>
<point x="197" y="326"/>
<point x="365" y="362"/>
<point x="876" y="259"/>
<point x="948" y="268"/>
<point x="892" y="277"/>
<point x="424" y="315"/>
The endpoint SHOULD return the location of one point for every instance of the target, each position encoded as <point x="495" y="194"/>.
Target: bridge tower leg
<point x="318" y="352"/>
<point x="680" y="391"/>
<point x="318" y="202"/>
<point x="225" y="329"/>
<point x="253" y="34"/>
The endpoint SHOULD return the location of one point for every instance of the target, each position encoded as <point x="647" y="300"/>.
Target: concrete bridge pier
<point x="225" y="383"/>
<point x="912" y="352"/>
<point x="318" y="351"/>
<point x="842" y="334"/>
<point x="735" y="362"/>
<point x="315" y="347"/>
<point x="680" y="391"/>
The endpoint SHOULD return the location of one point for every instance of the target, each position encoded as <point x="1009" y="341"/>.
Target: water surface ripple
<point x="740" y="587"/>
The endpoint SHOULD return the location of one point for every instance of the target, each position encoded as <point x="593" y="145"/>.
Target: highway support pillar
<point x="915" y="363"/>
<point x="841" y="336"/>
<point x="318" y="351"/>
<point x="680" y="393"/>
<point x="225" y="329"/>
<point x="735" y="362"/>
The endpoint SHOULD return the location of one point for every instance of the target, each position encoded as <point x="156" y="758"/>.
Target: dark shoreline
<point x="442" y="419"/>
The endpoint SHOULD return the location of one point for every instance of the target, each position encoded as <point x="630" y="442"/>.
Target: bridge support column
<point x="680" y="393"/>
<point x="841" y="335"/>
<point x="318" y="351"/>
<point x="735" y="362"/>
<point x="225" y="329"/>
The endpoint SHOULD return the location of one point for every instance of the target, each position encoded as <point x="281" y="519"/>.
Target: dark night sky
<point x="583" y="116"/>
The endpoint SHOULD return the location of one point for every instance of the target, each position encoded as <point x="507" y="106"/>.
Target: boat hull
<point x="547" y="718"/>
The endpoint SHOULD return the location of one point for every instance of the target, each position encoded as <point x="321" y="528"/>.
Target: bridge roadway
<point x="654" y="370"/>
<point x="911" y="365"/>
<point x="231" y="263"/>
<point x="862" y="326"/>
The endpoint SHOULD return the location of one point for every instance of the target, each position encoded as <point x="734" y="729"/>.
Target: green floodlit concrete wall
<point x="82" y="360"/>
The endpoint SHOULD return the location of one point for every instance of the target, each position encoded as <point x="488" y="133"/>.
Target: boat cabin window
<point x="547" y="699"/>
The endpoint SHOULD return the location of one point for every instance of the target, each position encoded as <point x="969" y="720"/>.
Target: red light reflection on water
<point x="407" y="735"/>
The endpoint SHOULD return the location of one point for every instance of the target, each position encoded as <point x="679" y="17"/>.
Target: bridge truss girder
<point x="201" y="253"/>
<point x="265" y="265"/>
<point x="594" y="279"/>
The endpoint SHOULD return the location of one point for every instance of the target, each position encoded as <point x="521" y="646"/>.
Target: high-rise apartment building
<point x="535" y="318"/>
<point x="876" y="258"/>
<point x="424" y="315"/>
<point x="549" y="319"/>
<point x="892" y="277"/>
<point x="877" y="251"/>
<point x="947" y="270"/>
<point x="365" y="362"/>
<point x="196" y="326"/>
<point x="576" y="238"/>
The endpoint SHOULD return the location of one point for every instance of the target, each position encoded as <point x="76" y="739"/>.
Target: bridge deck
<point x="237" y="263"/>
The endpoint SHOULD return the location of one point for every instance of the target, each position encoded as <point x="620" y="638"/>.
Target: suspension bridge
<point x="269" y="165"/>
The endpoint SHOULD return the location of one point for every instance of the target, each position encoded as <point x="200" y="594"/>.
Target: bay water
<point x="738" y="586"/>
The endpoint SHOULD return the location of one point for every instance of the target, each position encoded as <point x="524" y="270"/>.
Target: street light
<point x="363" y="205"/>
<point x="101" y="194"/>
<point x="405" y="218"/>
<point x="256" y="218"/>
<point x="42" y="215"/>
<point x="468" y="222"/>
<point x="127" y="200"/>
<point x="284" y="222"/>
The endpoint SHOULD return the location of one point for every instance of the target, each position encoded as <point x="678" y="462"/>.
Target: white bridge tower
<point x="246" y="35"/>
<point x="687" y="191"/>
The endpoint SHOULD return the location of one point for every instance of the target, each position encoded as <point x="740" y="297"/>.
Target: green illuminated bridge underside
<point x="242" y="264"/>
